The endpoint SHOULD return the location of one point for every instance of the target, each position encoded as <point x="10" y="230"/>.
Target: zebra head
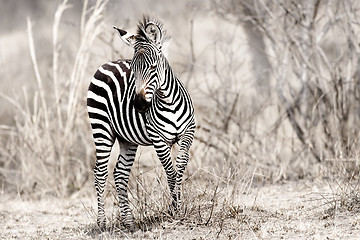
<point x="149" y="61"/>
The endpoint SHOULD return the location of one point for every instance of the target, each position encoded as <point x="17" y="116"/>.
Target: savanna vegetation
<point x="276" y="87"/>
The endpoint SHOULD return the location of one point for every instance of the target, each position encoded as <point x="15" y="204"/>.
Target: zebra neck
<point x="170" y="90"/>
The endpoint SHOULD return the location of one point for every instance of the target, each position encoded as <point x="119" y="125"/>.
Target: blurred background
<point x="275" y="84"/>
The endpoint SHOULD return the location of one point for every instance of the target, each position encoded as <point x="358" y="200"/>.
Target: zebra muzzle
<point x="140" y="103"/>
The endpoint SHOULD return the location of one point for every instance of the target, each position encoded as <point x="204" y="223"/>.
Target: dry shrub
<point x="208" y="200"/>
<point x="48" y="151"/>
<point x="315" y="46"/>
<point x="343" y="179"/>
<point x="312" y="50"/>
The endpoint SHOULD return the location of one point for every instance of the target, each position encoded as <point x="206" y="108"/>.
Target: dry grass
<point x="47" y="150"/>
<point x="207" y="204"/>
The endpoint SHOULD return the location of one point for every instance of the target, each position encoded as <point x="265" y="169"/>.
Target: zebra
<point x="139" y="101"/>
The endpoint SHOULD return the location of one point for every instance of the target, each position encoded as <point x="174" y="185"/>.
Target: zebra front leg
<point x="163" y="151"/>
<point x="182" y="159"/>
<point x="121" y="176"/>
<point x="103" y="150"/>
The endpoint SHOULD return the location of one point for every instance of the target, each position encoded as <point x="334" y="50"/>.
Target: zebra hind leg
<point x="103" y="150"/>
<point x="121" y="175"/>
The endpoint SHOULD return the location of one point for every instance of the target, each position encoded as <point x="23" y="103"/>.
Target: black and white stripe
<point x="139" y="102"/>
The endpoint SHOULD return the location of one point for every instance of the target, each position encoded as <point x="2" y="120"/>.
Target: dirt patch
<point x="293" y="210"/>
<point x="46" y="218"/>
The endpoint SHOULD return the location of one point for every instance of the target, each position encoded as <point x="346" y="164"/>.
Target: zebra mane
<point x="158" y="35"/>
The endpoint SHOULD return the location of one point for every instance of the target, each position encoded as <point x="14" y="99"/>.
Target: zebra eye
<point x="153" y="66"/>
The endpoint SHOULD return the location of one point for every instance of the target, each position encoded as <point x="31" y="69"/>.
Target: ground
<point x="291" y="210"/>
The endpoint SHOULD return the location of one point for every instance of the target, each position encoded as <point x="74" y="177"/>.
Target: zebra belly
<point x="131" y="127"/>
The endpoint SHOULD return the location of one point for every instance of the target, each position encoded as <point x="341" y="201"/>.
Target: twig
<point x="56" y="50"/>
<point x="212" y="205"/>
<point x="192" y="59"/>
<point x="228" y="117"/>
<point x="83" y="17"/>
<point x="37" y="72"/>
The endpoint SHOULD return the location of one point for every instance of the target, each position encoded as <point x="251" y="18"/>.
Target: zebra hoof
<point x="102" y="225"/>
<point x="130" y="226"/>
<point x="128" y="222"/>
<point x="173" y="209"/>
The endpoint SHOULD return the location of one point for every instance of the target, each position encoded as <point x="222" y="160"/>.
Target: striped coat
<point x="139" y="102"/>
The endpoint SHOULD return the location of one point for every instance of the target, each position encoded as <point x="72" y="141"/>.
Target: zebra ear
<point x="127" y="38"/>
<point x="153" y="32"/>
